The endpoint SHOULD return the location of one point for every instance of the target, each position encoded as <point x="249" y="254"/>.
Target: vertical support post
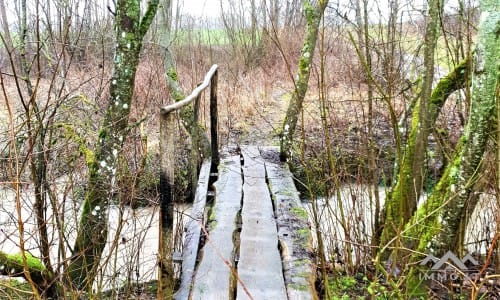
<point x="195" y="146"/>
<point x="165" y="245"/>
<point x="213" y="122"/>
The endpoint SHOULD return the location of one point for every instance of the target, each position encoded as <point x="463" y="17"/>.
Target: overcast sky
<point x="207" y="8"/>
<point x="211" y="8"/>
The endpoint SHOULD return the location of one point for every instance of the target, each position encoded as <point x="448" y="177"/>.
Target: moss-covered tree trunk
<point x="93" y="227"/>
<point x="401" y="202"/>
<point x="313" y="13"/>
<point x="445" y="87"/>
<point x="440" y="223"/>
<point x="14" y="265"/>
<point x="175" y="90"/>
<point x="454" y="81"/>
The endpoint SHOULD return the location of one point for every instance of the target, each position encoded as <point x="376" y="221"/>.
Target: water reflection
<point x="131" y="251"/>
<point x="358" y="207"/>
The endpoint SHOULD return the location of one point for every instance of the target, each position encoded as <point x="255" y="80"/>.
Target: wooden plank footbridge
<point x="248" y="236"/>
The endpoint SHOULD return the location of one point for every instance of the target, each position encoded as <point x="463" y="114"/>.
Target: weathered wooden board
<point x="193" y="231"/>
<point x="213" y="276"/>
<point x="293" y="229"/>
<point x="259" y="266"/>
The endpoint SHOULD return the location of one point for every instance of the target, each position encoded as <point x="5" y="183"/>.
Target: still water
<point x="131" y="251"/>
<point x="351" y="211"/>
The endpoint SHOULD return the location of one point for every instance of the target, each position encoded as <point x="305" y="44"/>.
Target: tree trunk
<point x="93" y="228"/>
<point x="175" y="90"/>
<point x="13" y="265"/>
<point x="401" y="202"/>
<point x="313" y="17"/>
<point x="6" y="37"/>
<point x="445" y="87"/>
<point x="439" y="224"/>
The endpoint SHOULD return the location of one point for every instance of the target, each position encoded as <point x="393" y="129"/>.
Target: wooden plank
<point x="259" y="266"/>
<point x="193" y="231"/>
<point x="213" y="276"/>
<point x="293" y="229"/>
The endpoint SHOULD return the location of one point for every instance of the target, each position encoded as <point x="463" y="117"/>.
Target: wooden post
<point x="194" y="162"/>
<point x="167" y="164"/>
<point x="165" y="247"/>
<point x="213" y="122"/>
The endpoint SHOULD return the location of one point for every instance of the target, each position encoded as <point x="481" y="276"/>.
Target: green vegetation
<point x="341" y="288"/>
<point x="352" y="120"/>
<point x="344" y="287"/>
<point x="300" y="212"/>
<point x="213" y="37"/>
<point x="33" y="262"/>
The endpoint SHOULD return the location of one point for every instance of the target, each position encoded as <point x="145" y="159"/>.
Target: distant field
<point x="213" y="37"/>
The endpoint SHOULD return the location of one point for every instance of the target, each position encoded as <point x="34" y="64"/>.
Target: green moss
<point x="89" y="245"/>
<point x="212" y="221"/>
<point x="103" y="134"/>
<point x="172" y="74"/>
<point x="304" y="235"/>
<point x="313" y="14"/>
<point x="71" y="134"/>
<point x="288" y="193"/>
<point x="212" y="225"/>
<point x="32" y="262"/>
<point x="304" y="62"/>
<point x="438" y="228"/>
<point x="300" y="212"/>
<point x="304" y="232"/>
<point x="148" y="17"/>
<point x="397" y="200"/>
<point x="89" y="155"/>
<point x="298" y="287"/>
<point x="300" y="262"/>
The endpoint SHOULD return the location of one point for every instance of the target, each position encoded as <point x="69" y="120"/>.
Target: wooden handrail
<point x="195" y="93"/>
<point x="167" y="162"/>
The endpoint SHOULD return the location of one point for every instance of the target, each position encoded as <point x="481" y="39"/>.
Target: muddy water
<point x="131" y="251"/>
<point x="357" y="204"/>
<point x="358" y="208"/>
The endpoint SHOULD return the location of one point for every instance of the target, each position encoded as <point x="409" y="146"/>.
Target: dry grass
<point x="252" y="102"/>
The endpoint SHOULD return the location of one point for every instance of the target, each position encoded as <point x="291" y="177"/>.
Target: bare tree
<point x="314" y="13"/>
